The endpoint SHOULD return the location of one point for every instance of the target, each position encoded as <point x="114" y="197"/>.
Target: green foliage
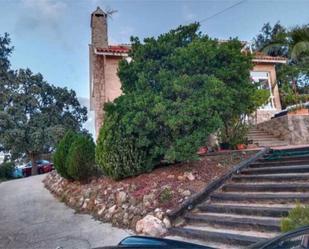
<point x="298" y="217"/>
<point x="81" y="158"/>
<point x="6" y="170"/>
<point x="60" y="156"/>
<point x="178" y="89"/>
<point x="290" y="97"/>
<point x="166" y="195"/>
<point x="116" y="154"/>
<point x="235" y="134"/>
<point x="270" y="40"/>
<point x="34" y="114"/>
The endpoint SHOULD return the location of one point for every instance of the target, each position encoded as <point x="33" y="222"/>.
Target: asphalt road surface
<point x="30" y="217"/>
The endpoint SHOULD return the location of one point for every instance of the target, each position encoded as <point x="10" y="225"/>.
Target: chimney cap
<point x="99" y="12"/>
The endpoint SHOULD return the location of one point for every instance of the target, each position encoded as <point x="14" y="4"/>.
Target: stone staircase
<point x="263" y="139"/>
<point x="249" y="206"/>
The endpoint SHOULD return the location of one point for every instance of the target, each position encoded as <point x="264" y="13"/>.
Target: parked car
<point x="43" y="166"/>
<point x="18" y="172"/>
<point x="297" y="239"/>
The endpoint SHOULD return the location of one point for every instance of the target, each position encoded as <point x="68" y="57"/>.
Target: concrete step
<point x="273" y="144"/>
<point x="289" y="177"/>
<point x="274" y="211"/>
<point x="278" y="163"/>
<point x="240" y="221"/>
<point x="258" y="134"/>
<point x="269" y="158"/>
<point x="276" y="170"/>
<point x="256" y="197"/>
<point x="262" y="187"/>
<point x="230" y="237"/>
<point x="298" y="149"/>
<point x="264" y="138"/>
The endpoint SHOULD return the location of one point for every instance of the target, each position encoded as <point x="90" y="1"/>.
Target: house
<point x="105" y="85"/>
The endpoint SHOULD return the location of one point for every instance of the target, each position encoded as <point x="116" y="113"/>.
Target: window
<point x="264" y="79"/>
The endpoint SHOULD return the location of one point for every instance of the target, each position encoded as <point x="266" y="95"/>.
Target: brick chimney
<point x="99" y="28"/>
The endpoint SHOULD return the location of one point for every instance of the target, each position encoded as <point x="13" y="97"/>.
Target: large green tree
<point x="34" y="114"/>
<point x="178" y="89"/>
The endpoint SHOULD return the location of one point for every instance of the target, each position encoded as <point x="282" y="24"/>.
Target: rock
<point x="101" y="211"/>
<point x="186" y="193"/>
<point x="125" y="216"/>
<point x="170" y="176"/>
<point x="121" y="197"/>
<point x="98" y="201"/>
<point x="167" y="222"/>
<point x="125" y="206"/>
<point x="148" y="199"/>
<point x="87" y="193"/>
<point x="189" y="176"/>
<point x="132" y="200"/>
<point x="81" y="201"/>
<point x="147" y="204"/>
<point x="150" y="225"/>
<point x="180" y="190"/>
<point x="181" y="178"/>
<point x="72" y="201"/>
<point x="112" y="210"/>
<point x="85" y="203"/>
<point x="158" y="213"/>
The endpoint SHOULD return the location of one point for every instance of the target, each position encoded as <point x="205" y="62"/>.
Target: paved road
<point x="30" y="217"/>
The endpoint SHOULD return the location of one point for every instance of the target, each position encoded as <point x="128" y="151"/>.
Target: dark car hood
<point x="142" y="242"/>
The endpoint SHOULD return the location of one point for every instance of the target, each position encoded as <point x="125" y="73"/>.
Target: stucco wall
<point x="106" y="85"/>
<point x="292" y="128"/>
<point x="112" y="81"/>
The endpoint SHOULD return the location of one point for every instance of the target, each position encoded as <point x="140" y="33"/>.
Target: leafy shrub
<point x="298" y="217"/>
<point x="81" y="158"/>
<point x="178" y="89"/>
<point x="6" y="170"/>
<point x="118" y="156"/>
<point x="166" y="195"/>
<point x="60" y="156"/>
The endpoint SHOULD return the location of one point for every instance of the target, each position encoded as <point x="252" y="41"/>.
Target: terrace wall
<point x="292" y="128"/>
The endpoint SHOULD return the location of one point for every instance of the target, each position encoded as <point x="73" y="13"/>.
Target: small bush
<point x="118" y="156"/>
<point x="298" y="217"/>
<point x="166" y="195"/>
<point x="60" y="156"/>
<point x="81" y="158"/>
<point x="6" y="170"/>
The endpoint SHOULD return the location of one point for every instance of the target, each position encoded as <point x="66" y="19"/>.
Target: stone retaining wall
<point x="292" y="128"/>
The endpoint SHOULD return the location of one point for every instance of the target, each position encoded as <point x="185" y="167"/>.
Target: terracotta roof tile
<point x="114" y="49"/>
<point x="124" y="49"/>
<point x="264" y="57"/>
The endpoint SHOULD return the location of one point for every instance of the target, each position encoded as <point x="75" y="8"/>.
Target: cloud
<point x="42" y="17"/>
<point x="46" y="9"/>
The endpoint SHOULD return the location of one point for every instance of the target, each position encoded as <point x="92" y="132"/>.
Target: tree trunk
<point x="34" y="170"/>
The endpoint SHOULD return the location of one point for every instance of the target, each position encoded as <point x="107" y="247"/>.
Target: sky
<point x="52" y="36"/>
